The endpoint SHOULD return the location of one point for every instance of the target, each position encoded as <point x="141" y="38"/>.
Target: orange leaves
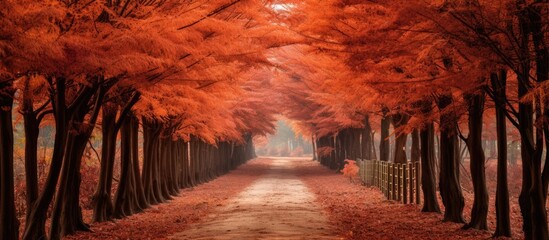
<point x="325" y="151"/>
<point x="350" y="169"/>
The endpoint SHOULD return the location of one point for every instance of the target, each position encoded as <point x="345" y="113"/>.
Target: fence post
<point x="374" y="173"/>
<point x="402" y="182"/>
<point x="362" y="169"/>
<point x="397" y="181"/>
<point x="411" y="181"/>
<point x="414" y="179"/>
<point x="378" y="170"/>
<point x="387" y="188"/>
<point x="380" y="177"/>
<point x="418" y="181"/>
<point x="385" y="180"/>
<point x="363" y="172"/>
<point x="390" y="181"/>
<point x="382" y="180"/>
<point x="366" y="177"/>
<point x="405" y="183"/>
<point x="378" y="167"/>
<point x="367" y="171"/>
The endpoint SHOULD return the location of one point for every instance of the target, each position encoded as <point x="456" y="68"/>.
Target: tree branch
<point x="214" y="12"/>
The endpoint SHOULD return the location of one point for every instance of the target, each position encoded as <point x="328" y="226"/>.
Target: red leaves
<point x="350" y="169"/>
<point x="325" y="151"/>
<point x="359" y="212"/>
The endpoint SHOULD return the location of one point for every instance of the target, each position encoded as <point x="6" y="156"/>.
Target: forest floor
<point x="359" y="212"/>
<point x="287" y="198"/>
<point x="191" y="206"/>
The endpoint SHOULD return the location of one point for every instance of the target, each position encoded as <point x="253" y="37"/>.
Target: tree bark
<point x="400" y="120"/>
<point x="428" y="176"/>
<point x="9" y="224"/>
<point x="367" y="140"/>
<point x="450" y="189"/>
<point x="503" y="222"/>
<point x="354" y="143"/>
<point x="134" y="133"/>
<point x="129" y="197"/>
<point x="384" y="146"/>
<point x="67" y="214"/>
<point x="32" y="130"/>
<point x="151" y="185"/>
<point x="102" y="210"/>
<point x="540" y="176"/>
<point x="415" y="152"/>
<point x="513" y="153"/>
<point x="339" y="151"/>
<point x="313" y="144"/>
<point x="479" y="211"/>
<point x="36" y="222"/>
<point x="428" y="166"/>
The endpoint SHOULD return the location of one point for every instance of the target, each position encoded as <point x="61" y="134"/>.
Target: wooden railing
<point x="399" y="182"/>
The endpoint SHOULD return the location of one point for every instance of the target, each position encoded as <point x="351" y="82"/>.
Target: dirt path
<point x="277" y="206"/>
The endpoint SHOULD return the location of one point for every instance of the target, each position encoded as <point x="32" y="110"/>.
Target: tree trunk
<point x="102" y="210"/>
<point x="165" y="171"/>
<point x="340" y="151"/>
<point x="134" y="129"/>
<point x="540" y="176"/>
<point x="67" y="214"/>
<point x="129" y="197"/>
<point x="415" y="155"/>
<point x="151" y="137"/>
<point x="36" y="222"/>
<point x="192" y="162"/>
<point x="374" y="146"/>
<point x="355" y="146"/>
<point x="32" y="130"/>
<point x="367" y="140"/>
<point x="503" y="222"/>
<point x="384" y="146"/>
<point x="479" y="211"/>
<point x="9" y="225"/>
<point x="513" y="153"/>
<point x="428" y="176"/>
<point x="183" y="162"/>
<point x="313" y="144"/>
<point x="399" y="120"/>
<point x="450" y="189"/>
<point x="529" y="149"/>
<point x="527" y="152"/>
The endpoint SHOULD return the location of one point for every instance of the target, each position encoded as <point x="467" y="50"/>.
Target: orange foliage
<point x="350" y="169"/>
<point x="325" y="151"/>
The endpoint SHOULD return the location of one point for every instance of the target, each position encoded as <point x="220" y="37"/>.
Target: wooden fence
<point x="399" y="182"/>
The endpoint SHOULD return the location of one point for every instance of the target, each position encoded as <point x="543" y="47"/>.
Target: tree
<point x="8" y="220"/>
<point x="450" y="189"/>
<point x="479" y="212"/>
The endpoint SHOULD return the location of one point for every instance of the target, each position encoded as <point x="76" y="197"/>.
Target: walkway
<point x="277" y="206"/>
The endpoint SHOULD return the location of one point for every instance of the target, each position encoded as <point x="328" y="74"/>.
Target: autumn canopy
<point x="174" y="93"/>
